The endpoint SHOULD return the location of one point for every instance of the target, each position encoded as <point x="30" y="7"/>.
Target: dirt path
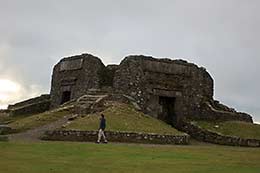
<point x="35" y="134"/>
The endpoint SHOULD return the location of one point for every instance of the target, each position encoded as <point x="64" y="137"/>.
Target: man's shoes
<point x="98" y="142"/>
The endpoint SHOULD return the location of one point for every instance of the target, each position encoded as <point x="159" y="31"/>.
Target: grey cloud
<point x="222" y="36"/>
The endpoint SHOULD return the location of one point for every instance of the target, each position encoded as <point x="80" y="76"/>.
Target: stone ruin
<point x="170" y="90"/>
<point x="174" y="91"/>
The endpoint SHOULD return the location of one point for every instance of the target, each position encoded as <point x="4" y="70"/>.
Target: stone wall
<point x="31" y="109"/>
<point x="209" y="113"/>
<point x="216" y="138"/>
<point x="107" y="76"/>
<point x="31" y="106"/>
<point x="41" y="98"/>
<point x="128" y="137"/>
<point x="4" y="112"/>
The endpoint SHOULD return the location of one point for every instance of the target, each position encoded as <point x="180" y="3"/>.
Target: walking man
<point x="102" y="126"/>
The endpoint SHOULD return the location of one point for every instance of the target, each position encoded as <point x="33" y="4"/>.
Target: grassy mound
<point x="233" y="128"/>
<point x="38" y="120"/>
<point x="123" y="117"/>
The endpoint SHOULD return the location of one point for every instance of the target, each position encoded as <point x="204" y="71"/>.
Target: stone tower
<point x="73" y="76"/>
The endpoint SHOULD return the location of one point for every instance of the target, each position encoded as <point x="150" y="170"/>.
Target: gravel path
<point x="35" y="134"/>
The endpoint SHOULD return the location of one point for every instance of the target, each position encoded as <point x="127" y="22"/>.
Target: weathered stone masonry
<point x="170" y="90"/>
<point x="73" y="76"/>
<point x="113" y="136"/>
<point x="155" y="83"/>
<point x="30" y="106"/>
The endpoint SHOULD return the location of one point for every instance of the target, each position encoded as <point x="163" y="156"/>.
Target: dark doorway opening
<point x="65" y="96"/>
<point x="168" y="113"/>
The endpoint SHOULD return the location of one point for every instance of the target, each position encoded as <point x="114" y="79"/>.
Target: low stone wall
<point x="31" y="108"/>
<point x="5" y="129"/>
<point x="209" y="113"/>
<point x="128" y="137"/>
<point x="41" y="98"/>
<point x="4" y="111"/>
<point x="217" y="138"/>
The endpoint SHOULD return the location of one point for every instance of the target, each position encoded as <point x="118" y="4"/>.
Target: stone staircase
<point x="91" y="102"/>
<point x="102" y="91"/>
<point x="85" y="104"/>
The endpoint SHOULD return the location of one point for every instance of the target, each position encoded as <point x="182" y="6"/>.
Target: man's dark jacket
<point x="102" y="124"/>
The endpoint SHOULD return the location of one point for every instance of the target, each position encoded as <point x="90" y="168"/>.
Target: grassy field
<point x="233" y="128"/>
<point x="123" y="117"/>
<point x="59" y="157"/>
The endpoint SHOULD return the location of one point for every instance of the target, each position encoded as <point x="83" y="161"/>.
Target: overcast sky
<point x="220" y="35"/>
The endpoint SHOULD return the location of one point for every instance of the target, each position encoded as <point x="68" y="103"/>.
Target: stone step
<point x="82" y="103"/>
<point x="96" y="92"/>
<point x="93" y="96"/>
<point x="90" y="97"/>
<point x="89" y="100"/>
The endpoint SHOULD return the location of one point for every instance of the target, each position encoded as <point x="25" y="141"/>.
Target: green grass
<point x="123" y="117"/>
<point x="5" y="119"/>
<point x="37" y="120"/>
<point x="3" y="138"/>
<point x="59" y="157"/>
<point x="233" y="128"/>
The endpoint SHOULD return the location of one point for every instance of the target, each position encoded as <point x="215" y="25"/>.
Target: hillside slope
<point x="123" y="117"/>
